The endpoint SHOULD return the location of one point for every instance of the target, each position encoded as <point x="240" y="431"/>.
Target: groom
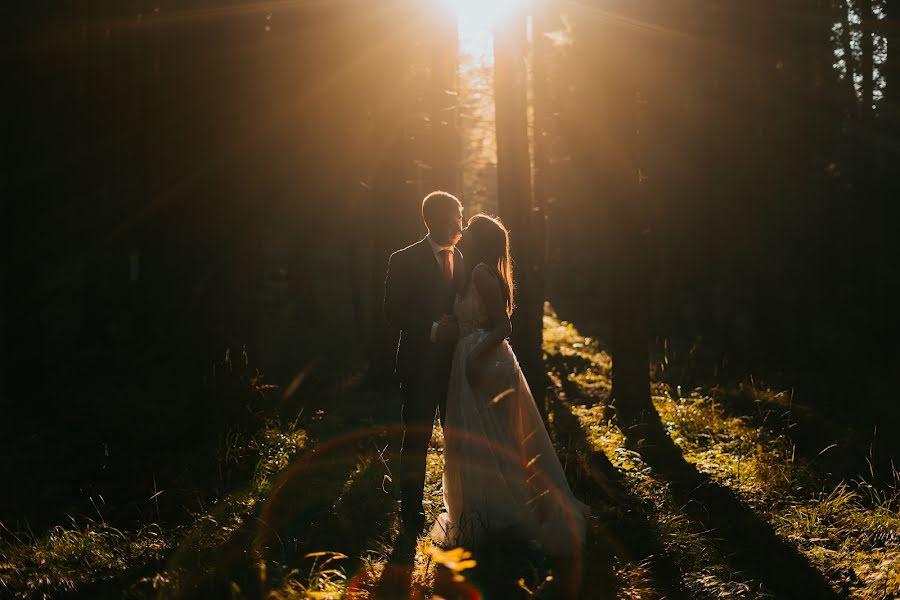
<point x="419" y="290"/>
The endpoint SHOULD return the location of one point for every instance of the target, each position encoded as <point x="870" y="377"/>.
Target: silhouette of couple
<point x="502" y="478"/>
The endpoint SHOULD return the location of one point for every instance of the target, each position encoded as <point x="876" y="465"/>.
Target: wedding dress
<point x="502" y="477"/>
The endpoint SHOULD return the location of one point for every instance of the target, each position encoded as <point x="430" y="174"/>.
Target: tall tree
<point x="514" y="194"/>
<point x="445" y="143"/>
<point x="398" y="74"/>
<point x="545" y="19"/>
<point x="604" y="125"/>
<point x="628" y="244"/>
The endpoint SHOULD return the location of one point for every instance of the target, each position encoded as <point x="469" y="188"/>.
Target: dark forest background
<point x="196" y="191"/>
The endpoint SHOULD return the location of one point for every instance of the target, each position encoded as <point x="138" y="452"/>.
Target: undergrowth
<point x="337" y="541"/>
<point x="91" y="551"/>
<point x="850" y="532"/>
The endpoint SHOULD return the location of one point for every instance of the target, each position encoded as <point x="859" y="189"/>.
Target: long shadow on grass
<point x="750" y="545"/>
<point x="628" y="527"/>
<point x="811" y="429"/>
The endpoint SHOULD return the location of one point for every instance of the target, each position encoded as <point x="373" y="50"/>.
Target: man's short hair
<point x="437" y="203"/>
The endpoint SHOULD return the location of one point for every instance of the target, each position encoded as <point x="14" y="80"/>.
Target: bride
<point x="501" y="474"/>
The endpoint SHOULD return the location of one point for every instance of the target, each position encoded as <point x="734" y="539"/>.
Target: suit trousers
<point x="421" y="397"/>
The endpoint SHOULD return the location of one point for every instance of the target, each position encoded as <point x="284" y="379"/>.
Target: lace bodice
<point x="469" y="311"/>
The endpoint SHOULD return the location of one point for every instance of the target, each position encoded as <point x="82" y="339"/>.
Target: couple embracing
<point x="502" y="478"/>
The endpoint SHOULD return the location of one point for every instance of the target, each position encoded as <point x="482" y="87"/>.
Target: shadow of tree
<point x="811" y="425"/>
<point x="749" y="544"/>
<point x="628" y="527"/>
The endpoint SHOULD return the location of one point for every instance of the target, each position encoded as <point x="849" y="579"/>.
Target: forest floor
<point x="735" y="508"/>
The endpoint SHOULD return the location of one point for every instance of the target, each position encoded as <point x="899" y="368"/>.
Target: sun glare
<point x="476" y="20"/>
<point x="483" y="13"/>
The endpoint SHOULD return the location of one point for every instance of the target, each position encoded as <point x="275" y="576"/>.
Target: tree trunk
<point x="612" y="145"/>
<point x="514" y="197"/>
<point x="638" y="418"/>
<point x="29" y="236"/>
<point x="386" y="201"/>
<point x="445" y="172"/>
<point x="391" y="196"/>
<point x="544" y="20"/>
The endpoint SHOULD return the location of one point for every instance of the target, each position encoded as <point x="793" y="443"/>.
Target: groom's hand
<point x="447" y="330"/>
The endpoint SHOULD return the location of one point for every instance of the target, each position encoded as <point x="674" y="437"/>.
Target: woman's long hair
<point x="488" y="242"/>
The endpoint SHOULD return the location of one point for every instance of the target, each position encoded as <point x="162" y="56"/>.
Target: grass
<point x="91" y="552"/>
<point x="316" y="516"/>
<point x="849" y="532"/>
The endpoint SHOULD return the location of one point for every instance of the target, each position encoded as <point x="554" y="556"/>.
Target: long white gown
<point x="502" y="478"/>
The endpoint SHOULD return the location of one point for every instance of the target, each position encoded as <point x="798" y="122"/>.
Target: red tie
<point x="445" y="261"/>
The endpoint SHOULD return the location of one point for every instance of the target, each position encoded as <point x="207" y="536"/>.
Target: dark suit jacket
<point x="415" y="296"/>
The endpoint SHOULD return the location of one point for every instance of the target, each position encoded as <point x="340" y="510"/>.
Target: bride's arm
<point x="488" y="287"/>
